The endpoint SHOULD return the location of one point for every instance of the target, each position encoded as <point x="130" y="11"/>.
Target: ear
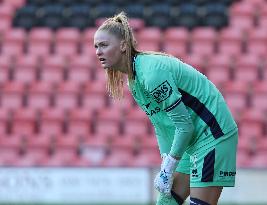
<point x="123" y="46"/>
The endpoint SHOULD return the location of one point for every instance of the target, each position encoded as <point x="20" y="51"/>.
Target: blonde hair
<point x="119" y="27"/>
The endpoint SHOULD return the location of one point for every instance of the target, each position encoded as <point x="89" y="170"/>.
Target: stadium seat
<point x="26" y="17"/>
<point x="6" y="13"/>
<point x="61" y="158"/>
<point x="203" y="41"/>
<point x="242" y="16"/>
<point x="5" y="120"/>
<point x="118" y="157"/>
<point x="149" y="38"/>
<point x="12" y="95"/>
<point x="80" y="16"/>
<point x="230" y="41"/>
<point x="80" y="69"/>
<point x="15" y="3"/>
<point x="94" y="96"/>
<point x="243" y="159"/>
<point x="53" y="68"/>
<point x="262" y="20"/>
<point x="51" y="121"/>
<point x="105" y="10"/>
<point x="40" y="41"/>
<point x="14" y="41"/>
<point x="135" y="10"/>
<point x="259" y="161"/>
<point x="247" y="68"/>
<point x="5" y="68"/>
<point x="259" y="95"/>
<point x="251" y="123"/>
<point x="197" y="61"/>
<point x="257" y="41"/>
<point x="39" y="95"/>
<point x="26" y="69"/>
<point x="108" y="122"/>
<point x="176" y="41"/>
<point x="218" y="69"/>
<point x="236" y="96"/>
<point x="24" y="122"/>
<point x="135" y="123"/>
<point x="215" y="15"/>
<point x="79" y="122"/>
<point x="66" y="95"/>
<point x="11" y="142"/>
<point x="158" y="15"/>
<point x="66" y="41"/>
<point x="53" y="16"/>
<point x="87" y="41"/>
<point x="147" y="158"/>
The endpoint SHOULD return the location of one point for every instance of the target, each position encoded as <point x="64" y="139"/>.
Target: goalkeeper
<point x="196" y="133"/>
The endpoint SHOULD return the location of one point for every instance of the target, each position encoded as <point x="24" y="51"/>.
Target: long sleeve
<point x="163" y="89"/>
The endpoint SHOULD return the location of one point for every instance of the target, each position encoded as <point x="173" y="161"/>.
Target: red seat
<point x="32" y="157"/>
<point x="12" y="95"/>
<point x="80" y="69"/>
<point x="118" y="157"/>
<point x="51" y="122"/>
<point x="136" y="123"/>
<point x="262" y="20"/>
<point x="26" y="69"/>
<point x="6" y="13"/>
<point x="176" y="41"/>
<point x="11" y="142"/>
<point x="251" y="123"/>
<point x="196" y="61"/>
<point x="4" y="120"/>
<point x="94" y="96"/>
<point x="236" y="96"/>
<point x="66" y="95"/>
<point x="5" y="67"/>
<point x="203" y="41"/>
<point x="247" y="68"/>
<point x="108" y="122"/>
<point x="39" y="95"/>
<point x="242" y="16"/>
<point x="259" y="95"/>
<point x="147" y="158"/>
<point x="65" y="157"/>
<point x="262" y="144"/>
<point x="52" y="70"/>
<point x="259" y="161"/>
<point x="40" y="41"/>
<point x="257" y="41"/>
<point x="87" y="42"/>
<point x="79" y="122"/>
<point x="15" y="3"/>
<point x="218" y="69"/>
<point x="230" y="41"/>
<point x="24" y="122"/>
<point x="66" y="41"/>
<point x="243" y="159"/>
<point x="14" y="40"/>
<point x="149" y="38"/>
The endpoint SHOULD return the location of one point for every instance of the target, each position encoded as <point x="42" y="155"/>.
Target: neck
<point x="122" y="67"/>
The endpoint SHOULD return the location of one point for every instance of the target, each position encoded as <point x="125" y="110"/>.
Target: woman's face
<point x="109" y="49"/>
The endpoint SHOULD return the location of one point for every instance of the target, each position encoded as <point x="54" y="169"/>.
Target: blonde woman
<point x="196" y="133"/>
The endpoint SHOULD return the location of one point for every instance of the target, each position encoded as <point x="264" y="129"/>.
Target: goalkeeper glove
<point x="164" y="179"/>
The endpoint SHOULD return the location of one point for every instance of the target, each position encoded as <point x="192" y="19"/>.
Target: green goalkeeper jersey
<point x="180" y="102"/>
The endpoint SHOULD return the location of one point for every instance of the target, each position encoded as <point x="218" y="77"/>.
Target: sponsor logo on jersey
<point x="227" y="174"/>
<point x="150" y="112"/>
<point x="162" y="92"/>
